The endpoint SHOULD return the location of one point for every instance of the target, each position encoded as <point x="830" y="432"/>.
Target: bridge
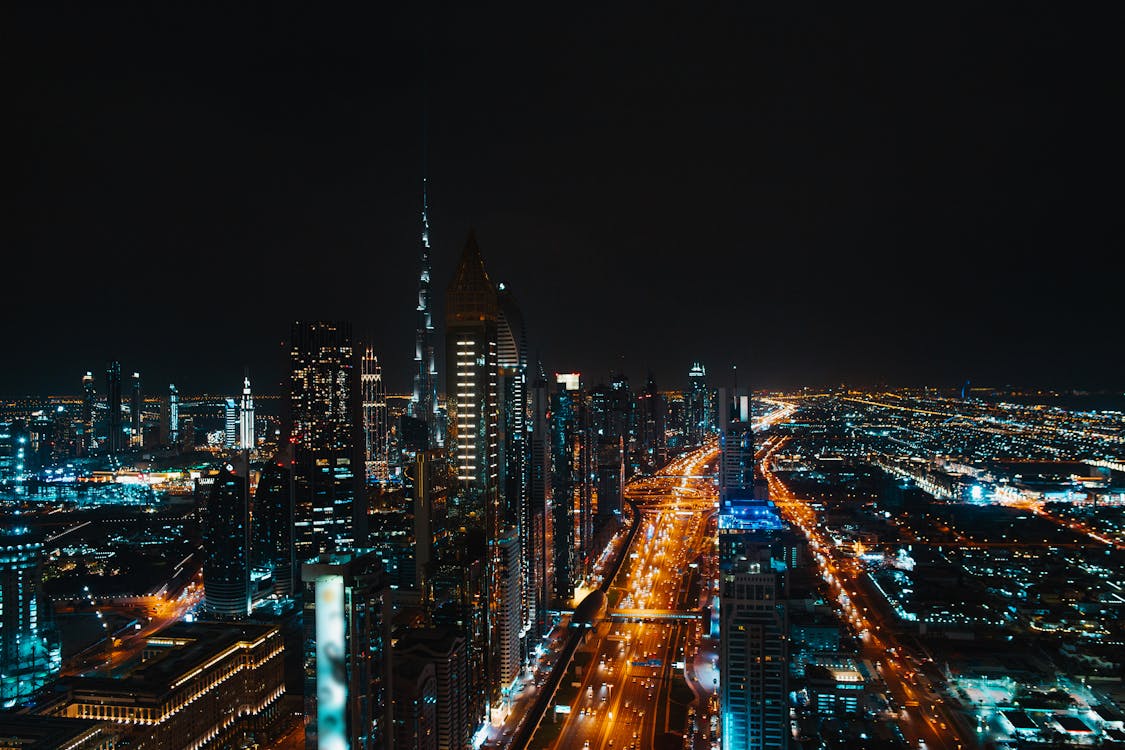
<point x="655" y="614"/>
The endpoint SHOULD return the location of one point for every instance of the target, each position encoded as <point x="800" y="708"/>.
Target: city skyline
<point x="875" y="200"/>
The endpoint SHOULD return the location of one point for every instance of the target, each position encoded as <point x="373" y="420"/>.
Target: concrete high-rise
<point x="472" y="400"/>
<point x="571" y="521"/>
<point x="509" y="610"/>
<point x="115" y="434"/>
<point x="325" y="430"/>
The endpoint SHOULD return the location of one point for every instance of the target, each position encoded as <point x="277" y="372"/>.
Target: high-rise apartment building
<point x="325" y="424"/>
<point x="571" y="522"/>
<point x="272" y="522"/>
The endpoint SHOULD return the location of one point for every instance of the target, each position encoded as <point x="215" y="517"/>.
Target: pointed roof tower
<point x="471" y="296"/>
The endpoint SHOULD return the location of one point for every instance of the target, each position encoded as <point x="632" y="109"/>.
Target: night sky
<point x="817" y="197"/>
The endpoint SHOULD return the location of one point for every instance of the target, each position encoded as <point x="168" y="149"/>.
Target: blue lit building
<point x="30" y="654"/>
<point x="755" y="549"/>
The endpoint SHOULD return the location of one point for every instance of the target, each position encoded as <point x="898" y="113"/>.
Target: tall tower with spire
<point x="423" y="403"/>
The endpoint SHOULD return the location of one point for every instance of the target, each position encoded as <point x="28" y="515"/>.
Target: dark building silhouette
<point x="273" y="522"/>
<point x="226" y="545"/>
<point x="115" y="434"/>
<point x="445" y="648"/>
<point x="542" y="552"/>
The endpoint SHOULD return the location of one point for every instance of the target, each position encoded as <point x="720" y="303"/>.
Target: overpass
<point x="655" y="614"/>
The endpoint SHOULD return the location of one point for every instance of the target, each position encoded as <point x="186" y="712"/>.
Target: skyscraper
<point x="135" y="407"/>
<point x="652" y="441"/>
<point x="89" y="395"/>
<point x="226" y="545"/>
<point x="30" y="655"/>
<point x="324" y="427"/>
<point x="230" y="423"/>
<point x="115" y="435"/>
<point x="570" y="524"/>
<point x="698" y="406"/>
<point x="514" y="449"/>
<point x="273" y="542"/>
<point x="473" y="400"/>
<point x="423" y="403"/>
<point x="173" y="415"/>
<point x="542" y="520"/>
<point x="509" y="609"/>
<point x="753" y="593"/>
<point x="347" y="619"/>
<point x="376" y="433"/>
<point x="246" y="437"/>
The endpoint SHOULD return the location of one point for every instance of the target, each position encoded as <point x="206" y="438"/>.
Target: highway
<point x="630" y="693"/>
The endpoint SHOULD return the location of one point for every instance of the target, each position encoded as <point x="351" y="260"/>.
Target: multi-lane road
<point x="631" y="692"/>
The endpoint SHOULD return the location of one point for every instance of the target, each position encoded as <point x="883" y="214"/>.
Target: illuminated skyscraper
<point x="423" y="403"/>
<point x="89" y="395"/>
<point x="513" y="461"/>
<point x="542" y="521"/>
<point x="226" y="545"/>
<point x="246" y="438"/>
<point x="571" y="522"/>
<point x="30" y="655"/>
<point x="347" y="619"/>
<point x="376" y="433"/>
<point x="173" y="414"/>
<point x="136" y="437"/>
<point x="230" y="423"/>
<point x="754" y="555"/>
<point x="325" y="424"/>
<point x="509" y="610"/>
<point x="473" y="403"/>
<point x="698" y="406"/>
<point x="115" y="433"/>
